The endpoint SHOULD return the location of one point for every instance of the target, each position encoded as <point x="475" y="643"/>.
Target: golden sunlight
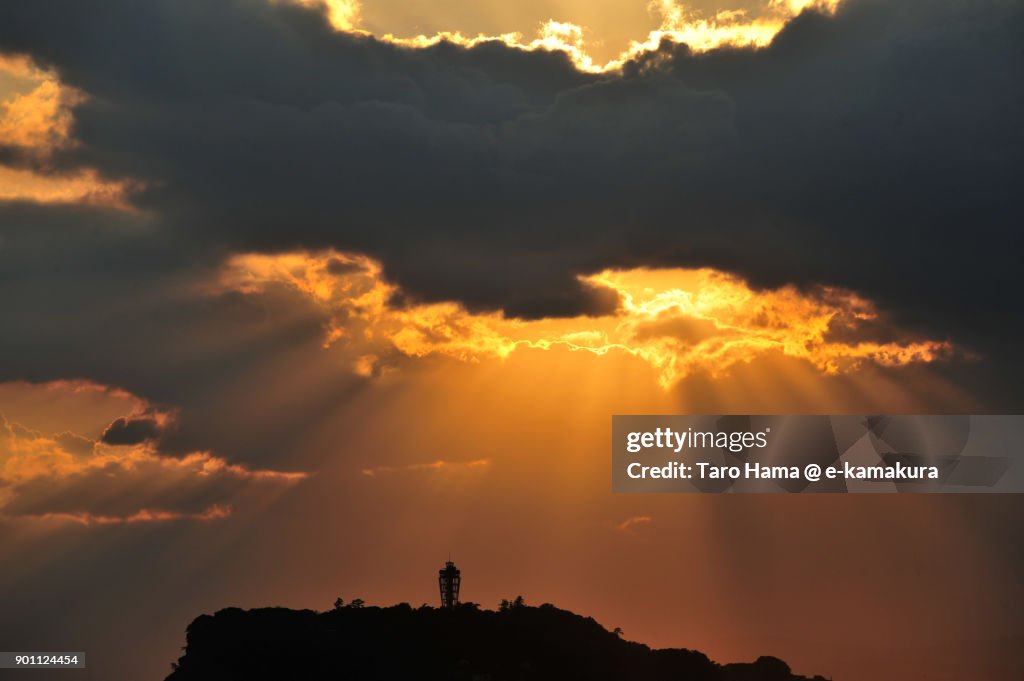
<point x="677" y="320"/>
<point x="678" y="22"/>
<point x="343" y="14"/>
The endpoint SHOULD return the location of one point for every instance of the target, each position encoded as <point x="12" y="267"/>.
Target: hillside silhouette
<point x="465" y="643"/>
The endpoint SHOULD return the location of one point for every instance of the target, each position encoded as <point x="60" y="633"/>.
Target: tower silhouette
<point x="449" y="579"/>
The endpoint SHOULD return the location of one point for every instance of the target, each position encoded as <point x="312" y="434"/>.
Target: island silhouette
<point x="462" y="642"/>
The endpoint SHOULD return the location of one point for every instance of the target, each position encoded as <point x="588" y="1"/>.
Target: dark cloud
<point x="131" y="431"/>
<point x="879" y="149"/>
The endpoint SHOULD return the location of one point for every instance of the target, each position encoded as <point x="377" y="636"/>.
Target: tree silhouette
<point x="360" y="642"/>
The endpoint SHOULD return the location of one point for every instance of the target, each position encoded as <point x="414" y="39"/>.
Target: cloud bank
<point x="874" y="150"/>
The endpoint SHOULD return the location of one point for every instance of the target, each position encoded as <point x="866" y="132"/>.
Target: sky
<point x="299" y="298"/>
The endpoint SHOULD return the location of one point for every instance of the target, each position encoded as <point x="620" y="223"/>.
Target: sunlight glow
<point x="342" y="14"/>
<point x="677" y="320"/>
<point x="678" y="23"/>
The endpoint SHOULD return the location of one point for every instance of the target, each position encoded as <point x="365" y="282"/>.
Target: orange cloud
<point x="678" y="320"/>
<point x="40" y="119"/>
<point x="439" y="466"/>
<point x="634" y="522"/>
<point x="20" y="66"/>
<point x="68" y="476"/>
<point x="38" y="123"/>
<point x="146" y="515"/>
<point x="83" y="186"/>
